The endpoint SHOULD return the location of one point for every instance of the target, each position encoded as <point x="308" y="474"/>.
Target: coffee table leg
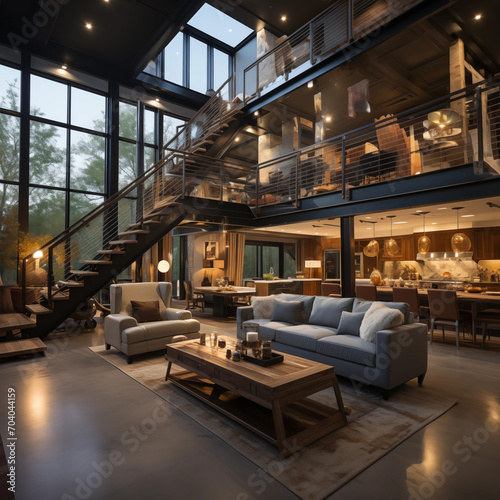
<point x="169" y="367"/>
<point x="338" y="395"/>
<point x="279" y="426"/>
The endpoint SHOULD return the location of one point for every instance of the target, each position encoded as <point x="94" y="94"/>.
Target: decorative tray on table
<point x="275" y="359"/>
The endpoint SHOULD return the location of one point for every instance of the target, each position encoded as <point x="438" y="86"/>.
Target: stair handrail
<point x="217" y="96"/>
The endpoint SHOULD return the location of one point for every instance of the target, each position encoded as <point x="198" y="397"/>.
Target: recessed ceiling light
<point x="255" y="113"/>
<point x="316" y="233"/>
<point x="64" y="66"/>
<point x="328" y="118"/>
<point x="237" y="139"/>
<point x="230" y="30"/>
<point x="477" y="17"/>
<point x="418" y="211"/>
<point x="470" y="215"/>
<point x="283" y="18"/>
<point x="401" y="222"/>
<point x="88" y="26"/>
<point x="157" y="100"/>
<point x="433" y="223"/>
<point x="310" y="84"/>
<point x="298" y="231"/>
<point x="443" y="208"/>
<point x="367" y="217"/>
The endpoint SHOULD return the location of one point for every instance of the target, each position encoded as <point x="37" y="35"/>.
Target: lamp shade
<point x="38" y="254"/>
<point x="312" y="264"/>
<point x="218" y="264"/>
<point x="372" y="249"/>
<point x="391" y="248"/>
<point x="460" y="242"/>
<point x="424" y="244"/>
<point x="163" y="266"/>
<point x="443" y="117"/>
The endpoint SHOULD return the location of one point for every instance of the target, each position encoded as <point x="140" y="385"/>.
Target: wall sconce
<point x="312" y="264"/>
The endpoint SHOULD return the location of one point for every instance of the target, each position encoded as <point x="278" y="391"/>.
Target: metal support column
<point x="347" y="256"/>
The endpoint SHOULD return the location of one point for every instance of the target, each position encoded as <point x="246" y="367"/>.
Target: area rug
<point x="374" y="428"/>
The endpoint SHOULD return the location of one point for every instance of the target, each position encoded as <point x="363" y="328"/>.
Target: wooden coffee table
<point x="270" y="401"/>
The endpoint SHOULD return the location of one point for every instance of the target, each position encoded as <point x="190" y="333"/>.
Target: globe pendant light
<point x="391" y="248"/>
<point x="424" y="242"/>
<point x="460" y="242"/>
<point x="373" y="248"/>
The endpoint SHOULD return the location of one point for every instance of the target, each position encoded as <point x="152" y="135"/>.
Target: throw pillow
<point x="146" y="311"/>
<point x="379" y="317"/>
<point x="288" y="311"/>
<point x="307" y="300"/>
<point x="326" y="311"/>
<point x="263" y="307"/>
<point x="350" y="323"/>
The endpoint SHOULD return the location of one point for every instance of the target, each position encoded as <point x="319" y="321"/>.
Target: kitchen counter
<point x="300" y="286"/>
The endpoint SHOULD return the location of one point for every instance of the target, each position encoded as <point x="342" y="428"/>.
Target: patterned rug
<point x="375" y="427"/>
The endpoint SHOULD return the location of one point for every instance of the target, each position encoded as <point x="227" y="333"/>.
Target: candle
<point x="252" y="336"/>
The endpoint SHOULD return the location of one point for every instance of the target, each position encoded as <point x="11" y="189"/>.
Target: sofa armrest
<point x="243" y="313"/>
<point x="114" y="324"/>
<point x="402" y="353"/>
<point x="171" y="313"/>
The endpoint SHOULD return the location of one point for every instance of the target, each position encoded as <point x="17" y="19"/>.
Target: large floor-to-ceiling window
<point x="66" y="169"/>
<point x="266" y="257"/>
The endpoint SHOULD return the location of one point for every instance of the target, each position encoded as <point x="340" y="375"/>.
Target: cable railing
<point x="341" y="24"/>
<point x="455" y="130"/>
<point x="210" y="119"/>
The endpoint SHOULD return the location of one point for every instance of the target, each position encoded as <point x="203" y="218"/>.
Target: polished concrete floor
<point x="86" y="430"/>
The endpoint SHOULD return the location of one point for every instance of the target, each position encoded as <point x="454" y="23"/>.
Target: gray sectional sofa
<point x="343" y="332"/>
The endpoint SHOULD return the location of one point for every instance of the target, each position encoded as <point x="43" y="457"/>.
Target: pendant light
<point x="373" y="248"/>
<point x="391" y="248"/>
<point x="460" y="242"/>
<point x="424" y="242"/>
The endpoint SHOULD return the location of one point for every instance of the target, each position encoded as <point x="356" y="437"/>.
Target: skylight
<point x="218" y="25"/>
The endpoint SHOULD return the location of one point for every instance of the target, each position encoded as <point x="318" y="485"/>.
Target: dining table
<point x="466" y="300"/>
<point x="223" y="297"/>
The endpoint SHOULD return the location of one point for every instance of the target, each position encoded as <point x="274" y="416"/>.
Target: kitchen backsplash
<point x="434" y="270"/>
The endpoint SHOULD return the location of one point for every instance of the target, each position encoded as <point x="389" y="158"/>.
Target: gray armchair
<point x="122" y="330"/>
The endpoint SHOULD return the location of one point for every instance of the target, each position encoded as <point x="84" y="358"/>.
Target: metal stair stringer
<point x="78" y="296"/>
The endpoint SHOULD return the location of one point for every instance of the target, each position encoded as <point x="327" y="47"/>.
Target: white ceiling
<point x="440" y="217"/>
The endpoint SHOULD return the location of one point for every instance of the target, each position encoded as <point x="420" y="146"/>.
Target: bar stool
<point x="366" y="292"/>
<point x="443" y="307"/>
<point x="410" y="296"/>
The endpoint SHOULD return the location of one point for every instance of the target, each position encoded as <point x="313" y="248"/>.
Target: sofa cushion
<point x="158" y="329"/>
<point x="263" y="307"/>
<point x="327" y="310"/>
<point x="308" y="301"/>
<point x="361" y="305"/>
<point x="379" y="317"/>
<point x="146" y="311"/>
<point x="268" y="329"/>
<point x="348" y="348"/>
<point x="290" y="311"/>
<point x="350" y="323"/>
<point x="302" y="336"/>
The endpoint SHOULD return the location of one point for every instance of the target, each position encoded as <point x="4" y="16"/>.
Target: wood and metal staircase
<point x="65" y="273"/>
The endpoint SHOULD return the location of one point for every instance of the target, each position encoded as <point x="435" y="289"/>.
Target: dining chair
<point x="410" y="296"/>
<point x="443" y="309"/>
<point x="488" y="317"/>
<point x="366" y="292"/>
<point x="193" y="299"/>
<point x="330" y="289"/>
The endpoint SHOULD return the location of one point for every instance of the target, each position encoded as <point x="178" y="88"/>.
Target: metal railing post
<point x="257" y="188"/>
<point x="478" y="99"/>
<point x="50" y="270"/>
<point x="350" y="19"/>
<point x="183" y="176"/>
<point x="23" y="284"/>
<point x="343" y="168"/>
<point x="311" y="44"/>
<point x="296" y="180"/>
<point x="221" y="166"/>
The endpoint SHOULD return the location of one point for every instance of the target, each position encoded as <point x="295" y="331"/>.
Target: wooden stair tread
<point x="134" y="231"/>
<point x="55" y="296"/>
<point x="98" y="262"/>
<point x="38" y="309"/>
<point x="72" y="283"/>
<point x="111" y="252"/>
<point x="147" y="221"/>
<point x="78" y="272"/>
<point x="123" y="242"/>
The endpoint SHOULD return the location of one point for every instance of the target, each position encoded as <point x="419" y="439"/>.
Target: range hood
<point x="444" y="256"/>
